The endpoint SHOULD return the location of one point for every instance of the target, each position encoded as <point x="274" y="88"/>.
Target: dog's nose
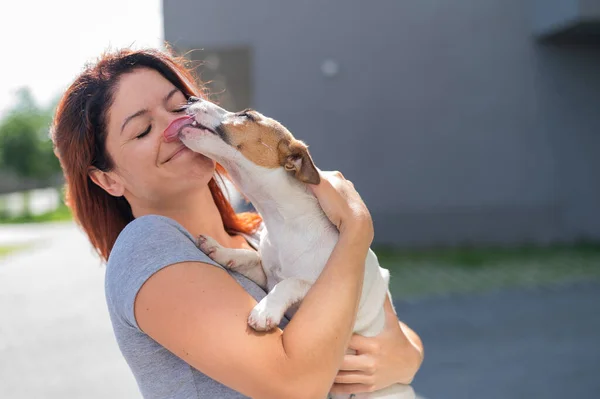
<point x="193" y="99"/>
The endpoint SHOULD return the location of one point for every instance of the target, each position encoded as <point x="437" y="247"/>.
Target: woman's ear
<point x="106" y="181"/>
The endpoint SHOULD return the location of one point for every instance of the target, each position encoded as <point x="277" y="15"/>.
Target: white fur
<point x="297" y="239"/>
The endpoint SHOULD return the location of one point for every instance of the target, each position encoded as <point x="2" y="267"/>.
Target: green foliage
<point x="60" y="214"/>
<point x="5" y="250"/>
<point x="479" y="257"/>
<point x="443" y="271"/>
<point x="25" y="147"/>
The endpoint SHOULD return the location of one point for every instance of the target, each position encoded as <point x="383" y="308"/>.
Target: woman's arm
<point x="392" y="357"/>
<point x="199" y="313"/>
<point x="414" y="339"/>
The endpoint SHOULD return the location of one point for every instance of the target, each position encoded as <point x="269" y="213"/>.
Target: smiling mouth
<point x="182" y="148"/>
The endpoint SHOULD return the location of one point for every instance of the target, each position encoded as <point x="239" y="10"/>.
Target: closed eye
<point x="145" y="132"/>
<point x="180" y="109"/>
<point x="247" y="113"/>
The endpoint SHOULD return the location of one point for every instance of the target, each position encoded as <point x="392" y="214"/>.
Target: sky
<point x="45" y="44"/>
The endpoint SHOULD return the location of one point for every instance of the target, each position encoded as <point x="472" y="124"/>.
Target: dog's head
<point x="234" y="139"/>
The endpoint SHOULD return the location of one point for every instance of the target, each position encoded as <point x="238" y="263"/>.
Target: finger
<point x="364" y="344"/>
<point x="350" y="388"/>
<point x="332" y="173"/>
<point x="330" y="187"/>
<point x="353" y="377"/>
<point x="334" y="177"/>
<point x="356" y="363"/>
<point x="324" y="184"/>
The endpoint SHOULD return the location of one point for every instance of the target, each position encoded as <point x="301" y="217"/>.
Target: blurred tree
<point x="25" y="147"/>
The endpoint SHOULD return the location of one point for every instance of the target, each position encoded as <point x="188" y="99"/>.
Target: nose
<point x="172" y="131"/>
<point x="193" y="99"/>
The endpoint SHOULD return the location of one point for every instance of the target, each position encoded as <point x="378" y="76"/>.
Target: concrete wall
<point x="590" y="8"/>
<point x="455" y="126"/>
<point x="569" y="97"/>
<point x="566" y="19"/>
<point x="551" y="16"/>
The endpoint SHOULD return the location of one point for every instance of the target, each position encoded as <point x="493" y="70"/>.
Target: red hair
<point x="79" y="133"/>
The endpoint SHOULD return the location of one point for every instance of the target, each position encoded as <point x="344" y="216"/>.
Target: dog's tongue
<point x="172" y="131"/>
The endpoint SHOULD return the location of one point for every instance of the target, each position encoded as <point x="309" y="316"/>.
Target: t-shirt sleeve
<point x="145" y="246"/>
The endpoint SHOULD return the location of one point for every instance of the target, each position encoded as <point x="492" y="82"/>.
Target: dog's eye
<point x="247" y="113"/>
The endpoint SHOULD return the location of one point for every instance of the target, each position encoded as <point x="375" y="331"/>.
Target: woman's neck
<point x="197" y="212"/>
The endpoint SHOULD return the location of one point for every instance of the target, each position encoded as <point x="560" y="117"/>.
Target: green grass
<point x="5" y="250"/>
<point x="62" y="213"/>
<point x="419" y="273"/>
<point x="480" y="257"/>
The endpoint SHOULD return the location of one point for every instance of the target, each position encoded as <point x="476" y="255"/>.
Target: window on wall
<point x="227" y="74"/>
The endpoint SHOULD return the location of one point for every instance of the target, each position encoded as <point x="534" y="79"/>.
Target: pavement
<point x="22" y="234"/>
<point x="56" y="339"/>
<point x="511" y="344"/>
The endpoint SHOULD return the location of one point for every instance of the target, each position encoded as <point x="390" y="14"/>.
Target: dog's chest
<point x="296" y="254"/>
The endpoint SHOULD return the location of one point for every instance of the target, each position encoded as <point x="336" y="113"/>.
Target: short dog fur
<point x="271" y="168"/>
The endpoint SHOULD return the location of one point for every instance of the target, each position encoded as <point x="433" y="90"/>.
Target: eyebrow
<point x="143" y="111"/>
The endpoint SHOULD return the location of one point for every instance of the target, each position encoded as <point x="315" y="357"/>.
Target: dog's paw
<point x="217" y="252"/>
<point x="209" y="246"/>
<point x="262" y="318"/>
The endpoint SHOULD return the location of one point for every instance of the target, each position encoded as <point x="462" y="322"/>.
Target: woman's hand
<point x="393" y="356"/>
<point x="342" y="204"/>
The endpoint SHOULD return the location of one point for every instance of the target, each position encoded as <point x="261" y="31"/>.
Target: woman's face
<point x="147" y="169"/>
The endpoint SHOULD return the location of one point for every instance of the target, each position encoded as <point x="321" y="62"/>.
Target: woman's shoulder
<point x="151" y="227"/>
<point x="151" y="239"/>
<point x="150" y="230"/>
<point x="145" y="246"/>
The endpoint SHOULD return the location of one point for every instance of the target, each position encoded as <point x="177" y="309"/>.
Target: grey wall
<point x="455" y="126"/>
<point x="565" y="19"/>
<point x="553" y="15"/>
<point x="569" y="98"/>
<point x="590" y="8"/>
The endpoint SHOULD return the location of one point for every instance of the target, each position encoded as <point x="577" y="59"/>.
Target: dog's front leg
<point x="244" y="261"/>
<point x="270" y="310"/>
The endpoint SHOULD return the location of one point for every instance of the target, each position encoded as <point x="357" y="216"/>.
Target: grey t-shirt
<point x="146" y="245"/>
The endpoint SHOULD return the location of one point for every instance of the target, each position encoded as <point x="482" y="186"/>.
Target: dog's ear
<point x="296" y="159"/>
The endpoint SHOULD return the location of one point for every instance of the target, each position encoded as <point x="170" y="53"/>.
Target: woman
<point x="178" y="317"/>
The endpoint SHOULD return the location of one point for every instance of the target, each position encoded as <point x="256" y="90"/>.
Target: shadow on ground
<point x="526" y="343"/>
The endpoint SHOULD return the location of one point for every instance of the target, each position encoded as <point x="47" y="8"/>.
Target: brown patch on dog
<point x="267" y="143"/>
<point x="257" y="139"/>
<point x="294" y="157"/>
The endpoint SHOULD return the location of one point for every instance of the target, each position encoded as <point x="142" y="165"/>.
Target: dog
<point x="271" y="168"/>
